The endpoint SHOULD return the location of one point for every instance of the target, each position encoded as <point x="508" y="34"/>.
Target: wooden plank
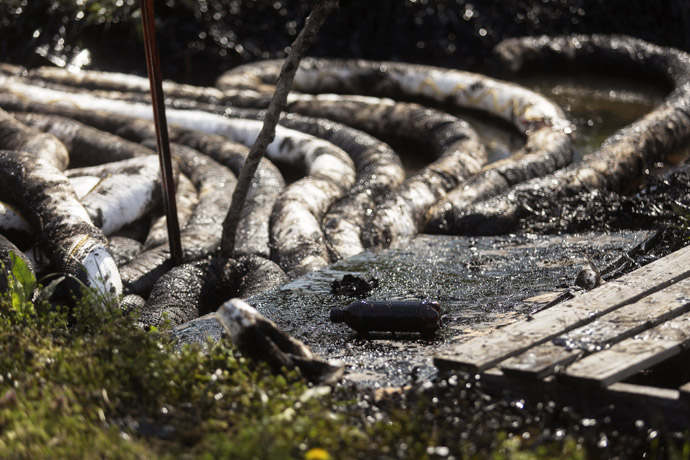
<point x="685" y="391"/>
<point x="484" y="352"/>
<point x="637" y="391"/>
<point x="609" y="329"/>
<point x="632" y="355"/>
<point x="539" y="361"/>
<point x="622" y="401"/>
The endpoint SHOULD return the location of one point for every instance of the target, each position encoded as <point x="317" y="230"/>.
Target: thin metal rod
<point x="168" y="185"/>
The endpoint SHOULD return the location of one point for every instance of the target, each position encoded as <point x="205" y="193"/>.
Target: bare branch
<point x="283" y="85"/>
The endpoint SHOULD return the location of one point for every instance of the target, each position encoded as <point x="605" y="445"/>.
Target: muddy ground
<point x="481" y="283"/>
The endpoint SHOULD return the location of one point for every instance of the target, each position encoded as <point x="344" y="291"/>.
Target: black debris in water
<point x="588" y="278"/>
<point x="401" y="316"/>
<point x="260" y="338"/>
<point x="353" y="286"/>
<point x="474" y="279"/>
<point x="658" y="203"/>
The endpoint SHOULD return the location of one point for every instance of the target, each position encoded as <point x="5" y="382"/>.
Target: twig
<point x="283" y="85"/>
<point x="167" y="182"/>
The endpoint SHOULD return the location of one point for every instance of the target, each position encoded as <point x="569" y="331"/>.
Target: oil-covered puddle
<point x="481" y="283"/>
<point x="598" y="105"/>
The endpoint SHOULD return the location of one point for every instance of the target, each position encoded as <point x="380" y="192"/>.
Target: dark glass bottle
<point x="396" y="316"/>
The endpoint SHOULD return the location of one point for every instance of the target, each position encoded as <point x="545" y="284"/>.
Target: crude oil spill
<point x="480" y="282"/>
<point x="598" y="105"/>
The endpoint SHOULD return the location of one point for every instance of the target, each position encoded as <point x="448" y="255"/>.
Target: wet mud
<point x="475" y="280"/>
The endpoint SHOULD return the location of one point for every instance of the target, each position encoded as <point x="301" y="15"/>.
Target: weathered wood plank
<point x="626" y="402"/>
<point x="632" y="355"/>
<point x="609" y="329"/>
<point x="484" y="352"/>
<point x="685" y="391"/>
<point x="539" y="361"/>
<point x="634" y="390"/>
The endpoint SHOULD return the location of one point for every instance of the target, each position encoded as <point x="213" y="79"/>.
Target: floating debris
<point x="588" y="278"/>
<point x="353" y="286"/>
<point x="261" y="339"/>
<point x="394" y="316"/>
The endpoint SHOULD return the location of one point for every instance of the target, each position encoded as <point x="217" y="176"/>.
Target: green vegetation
<point x="86" y="382"/>
<point x="683" y="213"/>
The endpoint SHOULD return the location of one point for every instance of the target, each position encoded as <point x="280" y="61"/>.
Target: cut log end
<point x="260" y="338"/>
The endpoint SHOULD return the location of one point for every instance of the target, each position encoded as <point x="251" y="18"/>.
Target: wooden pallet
<point x="595" y="340"/>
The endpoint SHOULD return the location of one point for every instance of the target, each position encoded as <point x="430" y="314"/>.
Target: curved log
<point x="17" y="136"/>
<point x="44" y="195"/>
<point x="186" y="198"/>
<point x="15" y="226"/>
<point x="253" y="233"/>
<point x="195" y="289"/>
<point x="543" y="123"/>
<point x="87" y="146"/>
<point x="621" y="158"/>
<point x="127" y="190"/>
<point x="201" y="235"/>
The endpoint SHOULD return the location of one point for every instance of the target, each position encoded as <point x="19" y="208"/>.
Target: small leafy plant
<point x="21" y="284"/>
<point x="683" y="212"/>
<point x="23" y="290"/>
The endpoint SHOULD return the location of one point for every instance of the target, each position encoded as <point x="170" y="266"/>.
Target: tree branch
<point x="283" y="85"/>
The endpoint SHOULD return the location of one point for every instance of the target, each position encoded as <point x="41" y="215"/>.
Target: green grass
<point x="86" y="382"/>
